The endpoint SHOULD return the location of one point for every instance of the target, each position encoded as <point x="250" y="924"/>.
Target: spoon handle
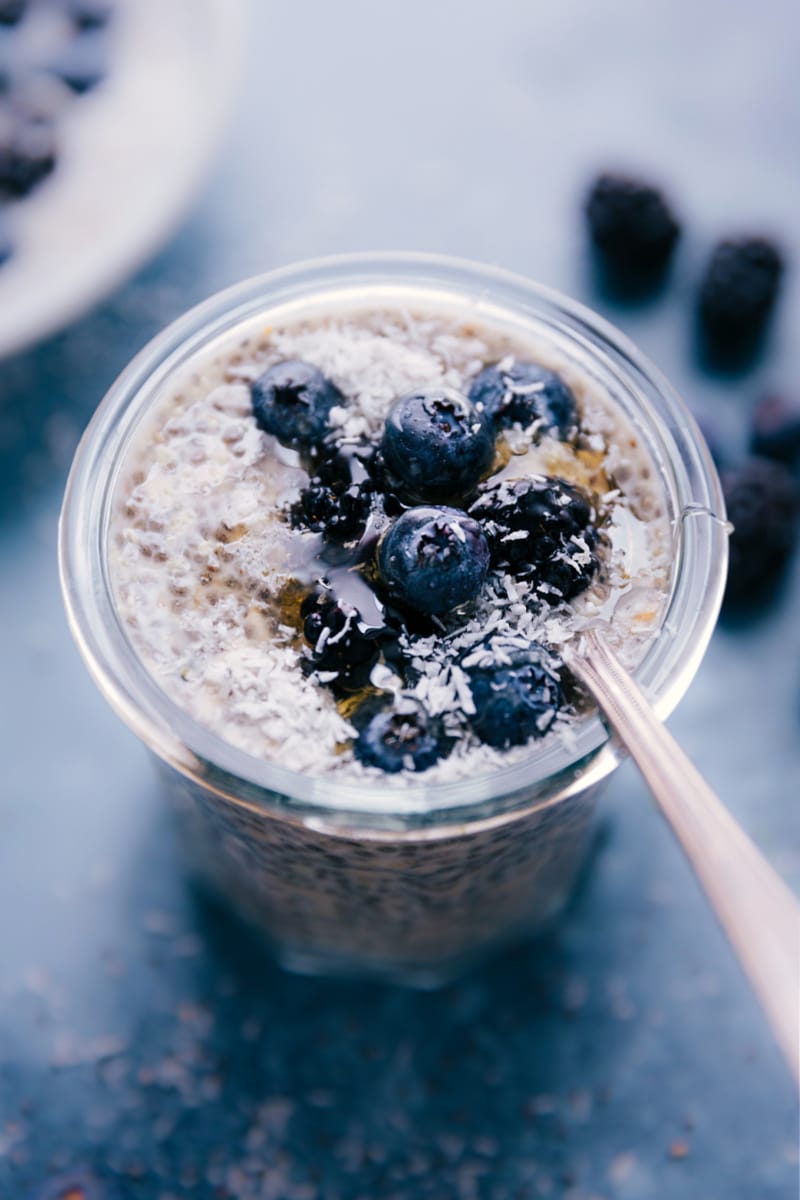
<point x="755" y="907"/>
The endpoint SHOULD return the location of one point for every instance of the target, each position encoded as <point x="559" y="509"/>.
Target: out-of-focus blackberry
<point x="775" y="429"/>
<point x="738" y="291"/>
<point x="763" y="504"/>
<point x="632" y="228"/>
<point x="341" y="645"/>
<point x="541" y="528"/>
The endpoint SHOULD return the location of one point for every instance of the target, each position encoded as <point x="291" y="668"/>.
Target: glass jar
<point x="411" y="883"/>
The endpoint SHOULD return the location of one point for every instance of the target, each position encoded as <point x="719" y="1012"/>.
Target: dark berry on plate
<point x="763" y="505"/>
<point x="11" y="11"/>
<point x="516" y="701"/>
<point x="399" y="737"/>
<point x="81" y="64"/>
<point x="775" y="429"/>
<point x="27" y="154"/>
<point x="738" y="291"/>
<point x="521" y="393"/>
<point x="341" y="645"/>
<point x="292" y="400"/>
<point x="436" y="444"/>
<point x="632" y="227"/>
<point x="541" y="528"/>
<point x="433" y="560"/>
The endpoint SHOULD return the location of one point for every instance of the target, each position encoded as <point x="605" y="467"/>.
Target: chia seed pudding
<point x="348" y="537"/>
<point x="217" y="551"/>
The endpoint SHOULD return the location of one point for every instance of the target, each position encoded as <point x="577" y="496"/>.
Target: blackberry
<point x="337" y="510"/>
<point x="521" y="393"/>
<point x="763" y="504"/>
<point x="341" y="645"/>
<point x="775" y="429"/>
<point x="400" y="736"/>
<point x="632" y="228"/>
<point x="738" y="291"/>
<point x="515" y="701"/>
<point x="543" y="529"/>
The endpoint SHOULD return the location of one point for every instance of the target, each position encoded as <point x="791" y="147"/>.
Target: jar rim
<point x="665" y="670"/>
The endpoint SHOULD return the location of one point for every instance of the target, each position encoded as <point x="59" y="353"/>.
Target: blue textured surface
<point x="144" y="1040"/>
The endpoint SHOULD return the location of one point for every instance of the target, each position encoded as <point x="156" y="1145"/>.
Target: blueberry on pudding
<point x="433" y="560"/>
<point x="292" y="401"/>
<point x="525" y="394"/>
<point x="400" y="737"/>
<point x="437" y="444"/>
<point x="515" y="700"/>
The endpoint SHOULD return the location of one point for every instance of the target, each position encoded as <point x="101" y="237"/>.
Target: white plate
<point x="131" y="154"/>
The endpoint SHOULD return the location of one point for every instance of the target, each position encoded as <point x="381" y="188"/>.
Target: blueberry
<point x="763" y="505"/>
<point x="401" y="736"/>
<point x="737" y="294"/>
<point x="633" y="230"/>
<point x="341" y="644"/>
<point x="541" y="528"/>
<point x="292" y="400"/>
<point x="436" y="444"/>
<point x="775" y="429"/>
<point x="521" y="393"/>
<point x="516" y="701"/>
<point x="433" y="560"/>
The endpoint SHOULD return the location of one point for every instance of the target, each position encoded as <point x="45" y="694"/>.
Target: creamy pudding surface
<point x="259" y="576"/>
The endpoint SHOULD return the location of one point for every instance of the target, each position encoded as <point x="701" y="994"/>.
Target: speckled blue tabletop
<point x="147" y="1047"/>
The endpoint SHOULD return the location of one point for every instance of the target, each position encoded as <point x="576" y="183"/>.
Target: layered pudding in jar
<point x="324" y="548"/>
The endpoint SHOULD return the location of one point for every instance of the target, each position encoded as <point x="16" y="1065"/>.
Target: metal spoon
<point x="756" y="909"/>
